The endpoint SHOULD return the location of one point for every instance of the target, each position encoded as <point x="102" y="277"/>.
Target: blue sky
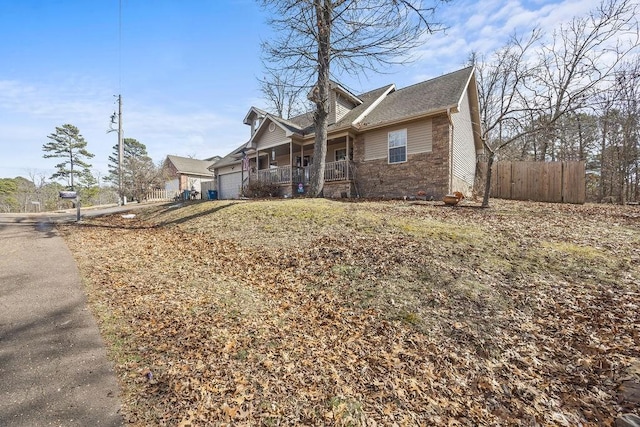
<point x="187" y="70"/>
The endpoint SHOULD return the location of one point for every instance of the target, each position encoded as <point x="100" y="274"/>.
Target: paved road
<point x="53" y="365"/>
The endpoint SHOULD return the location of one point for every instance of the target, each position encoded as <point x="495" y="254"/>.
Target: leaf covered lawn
<point x="319" y="312"/>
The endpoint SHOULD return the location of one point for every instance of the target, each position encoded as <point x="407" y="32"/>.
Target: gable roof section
<point x="187" y="166"/>
<point x="374" y="99"/>
<point x="288" y="126"/>
<point x="253" y="111"/>
<point x="304" y="122"/>
<point x="431" y="96"/>
<point x="232" y="158"/>
<point x="340" y="89"/>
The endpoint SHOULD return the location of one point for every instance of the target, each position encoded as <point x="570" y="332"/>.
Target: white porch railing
<point x="162" y="194"/>
<point x="333" y="171"/>
<point x="279" y="175"/>
<point x="337" y="171"/>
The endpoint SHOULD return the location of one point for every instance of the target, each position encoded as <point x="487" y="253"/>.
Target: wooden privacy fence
<point x="559" y="182"/>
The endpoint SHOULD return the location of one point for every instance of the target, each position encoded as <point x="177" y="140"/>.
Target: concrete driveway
<point x="53" y="365"/>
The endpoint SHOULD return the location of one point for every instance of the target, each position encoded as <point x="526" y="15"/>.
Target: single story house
<point x="419" y="140"/>
<point x="184" y="173"/>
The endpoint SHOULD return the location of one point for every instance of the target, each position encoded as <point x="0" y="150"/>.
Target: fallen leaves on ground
<point x="318" y="312"/>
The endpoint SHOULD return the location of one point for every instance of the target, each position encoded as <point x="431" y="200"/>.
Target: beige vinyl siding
<point x="342" y="108"/>
<point x="464" y="152"/>
<point x="339" y="106"/>
<point x="228" y="169"/>
<point x="266" y="139"/>
<point x="281" y="160"/>
<point x="419" y="140"/>
<point x="332" y="106"/>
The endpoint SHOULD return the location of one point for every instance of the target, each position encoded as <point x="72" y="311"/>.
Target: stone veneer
<point x="331" y="190"/>
<point x="336" y="190"/>
<point x="428" y="172"/>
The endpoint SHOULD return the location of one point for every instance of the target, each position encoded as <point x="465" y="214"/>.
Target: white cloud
<point x="29" y="112"/>
<point x="482" y="27"/>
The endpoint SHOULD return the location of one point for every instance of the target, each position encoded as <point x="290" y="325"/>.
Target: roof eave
<point x="431" y="113"/>
<point x="339" y="88"/>
<point x="252" y="110"/>
<point x="374" y="104"/>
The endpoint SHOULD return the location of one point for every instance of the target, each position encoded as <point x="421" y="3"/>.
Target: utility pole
<point x="120" y="152"/>
<point x="118" y="116"/>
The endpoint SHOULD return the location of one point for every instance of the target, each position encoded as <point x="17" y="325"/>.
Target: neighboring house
<point x="183" y="173"/>
<point x="419" y="140"/>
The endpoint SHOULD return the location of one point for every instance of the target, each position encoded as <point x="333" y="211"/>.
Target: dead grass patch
<point x="319" y="312"/>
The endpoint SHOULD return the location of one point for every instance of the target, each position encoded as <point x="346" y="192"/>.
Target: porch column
<point x="347" y="157"/>
<point x="303" y="179"/>
<point x="291" y="164"/>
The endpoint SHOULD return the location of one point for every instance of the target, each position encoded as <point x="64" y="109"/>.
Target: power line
<point x="119" y="46"/>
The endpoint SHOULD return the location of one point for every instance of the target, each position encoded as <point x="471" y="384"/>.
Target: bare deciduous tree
<point x="533" y="82"/>
<point x="620" y="135"/>
<point x="284" y="93"/>
<point x="319" y="38"/>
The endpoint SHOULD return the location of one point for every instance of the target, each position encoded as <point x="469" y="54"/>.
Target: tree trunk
<point x="71" y="161"/>
<point x="320" y="96"/>
<point x="603" y="169"/>
<point x="487" y="182"/>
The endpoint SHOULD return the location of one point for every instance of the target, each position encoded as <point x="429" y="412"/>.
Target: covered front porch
<point x="289" y="165"/>
<point x="333" y="171"/>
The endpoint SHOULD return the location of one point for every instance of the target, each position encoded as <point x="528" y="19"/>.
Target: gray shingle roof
<point x="287" y="124"/>
<point x="231" y="158"/>
<point x="305" y="121"/>
<point x="189" y="166"/>
<point x="433" y="95"/>
<point x="423" y="98"/>
<point x="367" y="98"/>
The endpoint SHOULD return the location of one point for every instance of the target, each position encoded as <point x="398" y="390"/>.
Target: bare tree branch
<point x="318" y="39"/>
<point x="531" y="83"/>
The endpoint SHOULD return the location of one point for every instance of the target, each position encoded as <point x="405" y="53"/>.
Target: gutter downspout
<point x="450" y="151"/>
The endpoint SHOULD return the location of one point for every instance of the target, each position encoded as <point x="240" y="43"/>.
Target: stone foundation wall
<point x="331" y="190"/>
<point x="286" y="190"/>
<point x="337" y="190"/>
<point x="423" y="172"/>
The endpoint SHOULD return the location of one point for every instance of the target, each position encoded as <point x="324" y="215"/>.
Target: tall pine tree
<point x="67" y="144"/>
<point x="139" y="173"/>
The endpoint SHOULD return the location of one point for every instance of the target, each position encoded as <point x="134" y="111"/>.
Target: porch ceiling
<point x="283" y="149"/>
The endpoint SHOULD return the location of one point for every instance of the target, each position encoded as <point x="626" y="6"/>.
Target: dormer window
<point x="254" y="118"/>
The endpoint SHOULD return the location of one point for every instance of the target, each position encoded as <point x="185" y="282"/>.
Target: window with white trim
<point x="398" y="146"/>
